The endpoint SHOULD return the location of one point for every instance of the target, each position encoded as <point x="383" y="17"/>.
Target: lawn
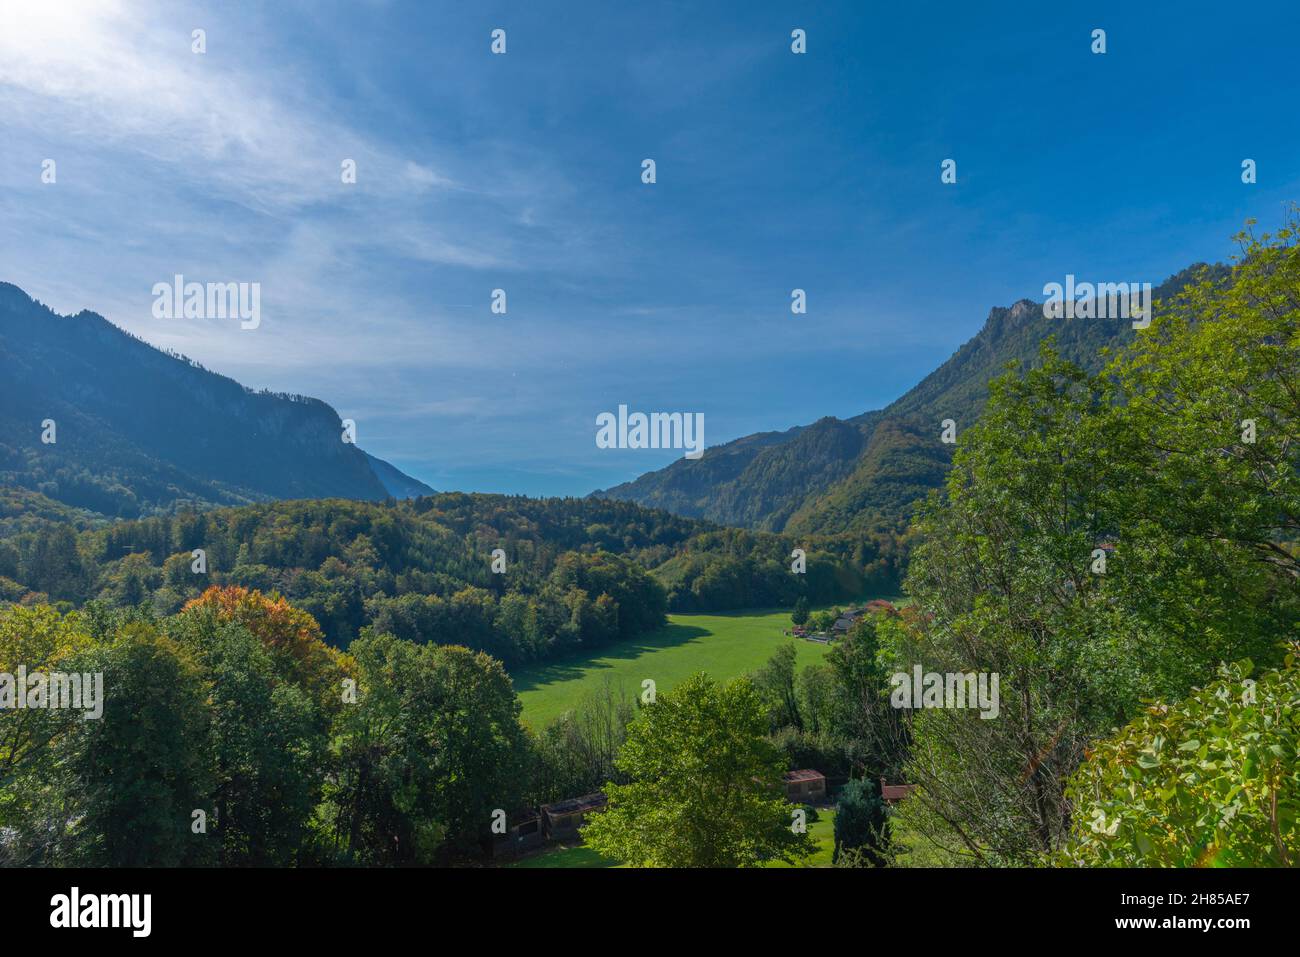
<point x="575" y="856"/>
<point x="724" y="645"/>
<point x="822" y="832"/>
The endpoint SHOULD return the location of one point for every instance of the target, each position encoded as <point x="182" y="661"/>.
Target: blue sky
<point x="522" y="172"/>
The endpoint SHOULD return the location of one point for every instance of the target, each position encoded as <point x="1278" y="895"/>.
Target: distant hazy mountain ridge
<point x="138" y="430"/>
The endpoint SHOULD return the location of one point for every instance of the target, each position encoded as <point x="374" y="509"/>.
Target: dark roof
<point x="848" y="617"/>
<point x="805" y="774"/>
<point x="588" y="802"/>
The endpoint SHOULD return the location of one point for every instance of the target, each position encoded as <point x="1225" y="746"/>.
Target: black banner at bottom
<point x="910" y="907"/>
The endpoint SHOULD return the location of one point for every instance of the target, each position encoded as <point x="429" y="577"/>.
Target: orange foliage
<point x="270" y="618"/>
<point x="291" y="634"/>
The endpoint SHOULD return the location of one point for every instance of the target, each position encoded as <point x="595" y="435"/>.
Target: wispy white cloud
<point x="126" y="75"/>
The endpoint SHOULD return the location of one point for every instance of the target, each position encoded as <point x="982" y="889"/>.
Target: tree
<point x="800" y="614"/>
<point x="39" y="639"/>
<point x="1107" y="539"/>
<point x="775" y="684"/>
<point x="1003" y="583"/>
<point x="862" y="717"/>
<point x="267" y="743"/>
<point x="1211" y="780"/>
<point x="820" y="622"/>
<point x="860" y="822"/>
<point x="704" y="784"/>
<point x="816" y="690"/>
<point x="431" y="748"/>
<point x="291" y="636"/>
<point x="1211" y="410"/>
<point x="576" y="753"/>
<point x="53" y="564"/>
<point x="42" y="641"/>
<point x="130" y="782"/>
<point x="641" y="600"/>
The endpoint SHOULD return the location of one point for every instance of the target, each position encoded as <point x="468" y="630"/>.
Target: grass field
<point x="575" y="856"/>
<point x="724" y="645"/>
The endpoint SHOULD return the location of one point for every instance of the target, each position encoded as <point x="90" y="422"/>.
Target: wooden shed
<point x="805" y="786"/>
<point x="523" y="836"/>
<point x="562" y="819"/>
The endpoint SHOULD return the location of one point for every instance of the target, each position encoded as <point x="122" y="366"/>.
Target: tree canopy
<point x="704" y="784"/>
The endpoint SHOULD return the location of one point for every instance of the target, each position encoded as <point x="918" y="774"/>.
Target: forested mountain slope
<point x="139" y="431"/>
<point x="865" y="473"/>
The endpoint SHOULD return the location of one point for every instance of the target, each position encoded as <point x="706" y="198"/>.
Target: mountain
<point x="138" y="431"/>
<point x="867" y="472"/>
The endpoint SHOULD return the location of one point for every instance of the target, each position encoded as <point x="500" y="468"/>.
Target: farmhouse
<point x="851" y="616"/>
<point x="847" y="620"/>
<point x="804" y="787"/>
<point x="562" y="819"/>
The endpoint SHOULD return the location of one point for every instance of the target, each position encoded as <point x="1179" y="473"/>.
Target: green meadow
<point x="724" y="645"/>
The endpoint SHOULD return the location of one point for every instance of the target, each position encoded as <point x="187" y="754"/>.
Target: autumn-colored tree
<point x="292" y="636"/>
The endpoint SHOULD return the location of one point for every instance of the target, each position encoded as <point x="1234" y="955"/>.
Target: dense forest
<point x="571" y="572"/>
